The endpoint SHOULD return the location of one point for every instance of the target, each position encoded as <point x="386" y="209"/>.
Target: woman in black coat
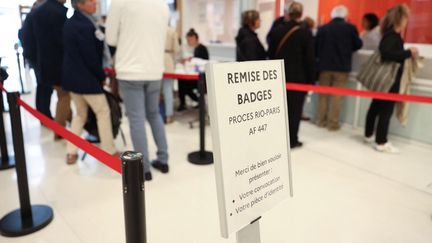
<point x="391" y="49"/>
<point x="83" y="75"/>
<point x="249" y="47"/>
<point x="187" y="87"/>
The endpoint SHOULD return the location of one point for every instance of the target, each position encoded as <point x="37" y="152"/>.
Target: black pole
<point x="19" y="72"/>
<point x="6" y="161"/>
<point x="201" y="157"/>
<point x="27" y="219"/>
<point x="133" y="197"/>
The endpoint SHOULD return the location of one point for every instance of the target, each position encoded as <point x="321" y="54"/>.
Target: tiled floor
<point x="345" y="192"/>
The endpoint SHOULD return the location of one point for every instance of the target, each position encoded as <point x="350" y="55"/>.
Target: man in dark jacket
<point x="335" y="44"/>
<point x="48" y="21"/>
<point x="295" y="45"/>
<point x="83" y="75"/>
<point x="43" y="91"/>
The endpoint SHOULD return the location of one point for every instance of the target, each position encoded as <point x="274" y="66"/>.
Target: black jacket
<point x="275" y="24"/>
<point x="249" y="47"/>
<point x="48" y="21"/>
<point x="83" y="54"/>
<point x="335" y="44"/>
<point x="297" y="52"/>
<point x="201" y="52"/>
<point x="392" y="49"/>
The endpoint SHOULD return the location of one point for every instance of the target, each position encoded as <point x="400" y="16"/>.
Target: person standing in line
<point x="295" y="45"/>
<point x="335" y="44"/>
<point x="391" y="49"/>
<point x="43" y="91"/>
<point x="371" y="35"/>
<point x="280" y="20"/>
<point x="172" y="49"/>
<point x="83" y="75"/>
<point x="138" y="31"/>
<point x="187" y="87"/>
<point x="249" y="47"/>
<point x="48" y="21"/>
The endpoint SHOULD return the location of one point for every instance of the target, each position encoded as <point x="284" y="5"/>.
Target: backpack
<point x="116" y="115"/>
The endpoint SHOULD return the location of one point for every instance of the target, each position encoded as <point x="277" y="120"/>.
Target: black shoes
<point x="296" y="145"/>
<point x="148" y="176"/>
<point x="160" y="166"/>
<point x="181" y="108"/>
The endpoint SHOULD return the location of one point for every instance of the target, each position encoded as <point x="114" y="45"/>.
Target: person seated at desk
<point x="187" y="87"/>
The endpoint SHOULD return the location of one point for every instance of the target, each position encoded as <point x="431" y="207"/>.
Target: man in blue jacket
<point x="83" y="75"/>
<point x="48" y="21"/>
<point x="335" y="44"/>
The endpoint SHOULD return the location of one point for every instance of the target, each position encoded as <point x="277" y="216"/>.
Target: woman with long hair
<point x="391" y="49"/>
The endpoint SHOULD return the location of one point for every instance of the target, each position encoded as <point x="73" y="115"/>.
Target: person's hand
<point x="414" y="52"/>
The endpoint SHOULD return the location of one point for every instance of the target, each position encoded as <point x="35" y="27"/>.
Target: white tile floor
<point x="345" y="192"/>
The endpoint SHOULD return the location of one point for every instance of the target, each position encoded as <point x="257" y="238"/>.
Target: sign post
<point x="249" y="122"/>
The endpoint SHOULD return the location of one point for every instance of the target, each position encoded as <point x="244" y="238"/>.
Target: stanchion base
<point x="201" y="158"/>
<point x="12" y="226"/>
<point x="7" y="165"/>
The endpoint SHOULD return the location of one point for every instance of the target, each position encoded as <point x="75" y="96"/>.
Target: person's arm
<point x="202" y="53"/>
<point x="113" y="23"/>
<point x="318" y="39"/>
<point x="309" y="57"/>
<point x="272" y="45"/>
<point x="390" y="50"/>
<point x="357" y="42"/>
<point x="176" y="44"/>
<point x="29" y="40"/>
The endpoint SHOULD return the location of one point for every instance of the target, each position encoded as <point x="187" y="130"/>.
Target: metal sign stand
<point x="250" y="233"/>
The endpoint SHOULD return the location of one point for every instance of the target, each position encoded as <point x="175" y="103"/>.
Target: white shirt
<point x="138" y="29"/>
<point x="371" y="39"/>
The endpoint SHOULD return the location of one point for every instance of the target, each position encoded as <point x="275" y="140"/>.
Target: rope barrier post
<point x="6" y="161"/>
<point x="27" y="219"/>
<point x="20" y="70"/>
<point x="201" y="157"/>
<point x="133" y="197"/>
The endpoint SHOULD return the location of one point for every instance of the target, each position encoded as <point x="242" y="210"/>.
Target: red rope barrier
<point x="2" y="88"/>
<point x="115" y="164"/>
<point x="359" y="93"/>
<point x="181" y="76"/>
<point x="104" y="157"/>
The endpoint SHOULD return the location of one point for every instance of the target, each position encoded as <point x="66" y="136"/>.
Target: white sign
<point x="249" y="122"/>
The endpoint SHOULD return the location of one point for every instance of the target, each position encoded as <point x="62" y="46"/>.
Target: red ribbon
<point x="2" y="88"/>
<point x="181" y="76"/>
<point x="359" y="93"/>
<point x="104" y="157"/>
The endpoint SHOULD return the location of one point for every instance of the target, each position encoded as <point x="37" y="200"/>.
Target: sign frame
<point x="214" y="119"/>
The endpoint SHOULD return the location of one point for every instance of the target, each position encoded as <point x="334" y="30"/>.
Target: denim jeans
<point x="168" y="89"/>
<point x="141" y="99"/>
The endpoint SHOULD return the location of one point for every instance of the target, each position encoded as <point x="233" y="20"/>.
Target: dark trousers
<point x="187" y="87"/>
<point x="295" y="111"/>
<point x="382" y="111"/>
<point x="43" y="95"/>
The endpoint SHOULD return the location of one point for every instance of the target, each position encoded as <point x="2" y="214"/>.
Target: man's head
<point x="295" y="11"/>
<point x="86" y="6"/>
<point x="339" y="11"/>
